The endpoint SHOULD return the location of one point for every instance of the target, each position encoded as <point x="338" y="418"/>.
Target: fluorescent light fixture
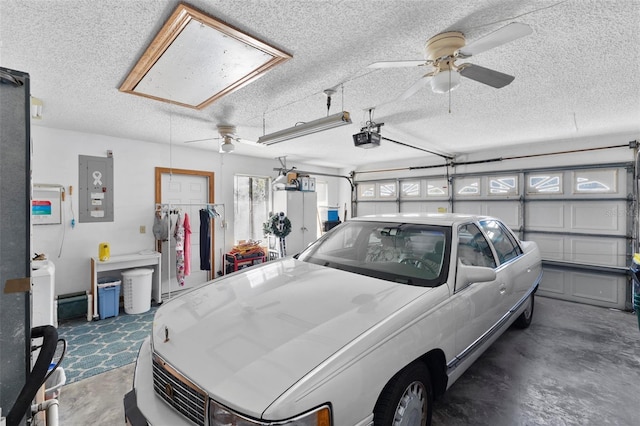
<point x="319" y="125"/>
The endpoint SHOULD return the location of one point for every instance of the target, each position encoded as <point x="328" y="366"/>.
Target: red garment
<point x="187" y="245"/>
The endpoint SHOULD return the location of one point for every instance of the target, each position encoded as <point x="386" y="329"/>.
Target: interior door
<point x="186" y="193"/>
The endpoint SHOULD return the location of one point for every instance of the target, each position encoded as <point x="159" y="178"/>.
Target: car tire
<point x="524" y="320"/>
<point x="407" y="399"/>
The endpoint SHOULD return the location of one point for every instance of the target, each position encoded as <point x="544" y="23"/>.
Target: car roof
<point x="442" y="219"/>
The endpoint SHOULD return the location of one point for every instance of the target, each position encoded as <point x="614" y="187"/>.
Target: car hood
<point x="247" y="338"/>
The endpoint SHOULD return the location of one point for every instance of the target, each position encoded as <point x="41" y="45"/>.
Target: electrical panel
<point x="96" y="189"/>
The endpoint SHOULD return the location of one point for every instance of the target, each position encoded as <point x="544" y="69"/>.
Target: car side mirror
<point x="468" y="274"/>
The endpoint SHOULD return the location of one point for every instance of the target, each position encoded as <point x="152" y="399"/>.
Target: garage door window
<point x="366" y="190"/>
<point x="388" y="190"/>
<point x="544" y="184"/>
<point x="437" y="188"/>
<point x="468" y="186"/>
<point x="503" y="185"/>
<point x="410" y="189"/>
<point x="595" y="181"/>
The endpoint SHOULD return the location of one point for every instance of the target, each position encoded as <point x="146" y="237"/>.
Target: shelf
<point x="234" y="264"/>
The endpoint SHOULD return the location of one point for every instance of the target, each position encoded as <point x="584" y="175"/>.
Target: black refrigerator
<point x="15" y="235"/>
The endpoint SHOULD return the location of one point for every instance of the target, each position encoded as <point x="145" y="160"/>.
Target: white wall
<point x="55" y="161"/>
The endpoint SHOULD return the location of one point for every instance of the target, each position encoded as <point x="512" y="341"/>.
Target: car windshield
<point x="400" y="252"/>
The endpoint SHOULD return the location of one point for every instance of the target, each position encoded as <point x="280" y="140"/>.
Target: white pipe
<point x="51" y="407"/>
<point x="89" y="307"/>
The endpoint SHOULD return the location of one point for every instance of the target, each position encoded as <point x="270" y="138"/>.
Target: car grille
<point x="179" y="392"/>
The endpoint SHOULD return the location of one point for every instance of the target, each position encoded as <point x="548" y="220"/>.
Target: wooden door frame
<point x="159" y="171"/>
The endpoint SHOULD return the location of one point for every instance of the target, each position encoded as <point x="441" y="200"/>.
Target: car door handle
<point x="502" y="289"/>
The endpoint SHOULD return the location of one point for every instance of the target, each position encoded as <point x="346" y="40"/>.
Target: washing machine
<point x="43" y="289"/>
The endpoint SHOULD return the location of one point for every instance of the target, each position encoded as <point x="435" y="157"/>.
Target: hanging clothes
<point x="187" y="245"/>
<point x="178" y="234"/>
<point x="205" y="240"/>
<point x="161" y="226"/>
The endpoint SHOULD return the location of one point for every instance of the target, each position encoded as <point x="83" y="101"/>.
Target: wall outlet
<point x="143" y="229"/>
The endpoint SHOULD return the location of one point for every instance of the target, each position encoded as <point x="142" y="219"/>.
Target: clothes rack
<point x="176" y="208"/>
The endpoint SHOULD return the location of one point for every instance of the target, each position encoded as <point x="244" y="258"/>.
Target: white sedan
<point x="365" y="327"/>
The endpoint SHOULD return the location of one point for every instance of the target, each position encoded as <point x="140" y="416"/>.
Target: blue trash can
<point x="108" y="297"/>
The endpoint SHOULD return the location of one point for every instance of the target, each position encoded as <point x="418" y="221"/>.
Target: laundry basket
<point x="136" y="287"/>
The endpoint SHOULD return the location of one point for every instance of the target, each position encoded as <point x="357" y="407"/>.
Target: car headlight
<point x="222" y="416"/>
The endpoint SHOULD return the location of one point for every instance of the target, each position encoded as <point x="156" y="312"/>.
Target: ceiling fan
<point x="442" y="52"/>
<point x="227" y="137"/>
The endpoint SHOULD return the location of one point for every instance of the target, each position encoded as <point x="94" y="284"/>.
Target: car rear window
<point x="404" y="253"/>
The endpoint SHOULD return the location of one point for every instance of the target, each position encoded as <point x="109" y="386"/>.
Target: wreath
<point x="278" y="225"/>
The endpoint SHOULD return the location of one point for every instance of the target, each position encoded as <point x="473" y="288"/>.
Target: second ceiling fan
<point x="444" y="49"/>
<point x="227" y="137"/>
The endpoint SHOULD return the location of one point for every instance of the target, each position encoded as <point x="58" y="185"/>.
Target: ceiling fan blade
<point x="397" y="64"/>
<point x="415" y="87"/>
<point x="249" y="142"/>
<point x="201" y="140"/>
<point x="486" y="76"/>
<point x="497" y="38"/>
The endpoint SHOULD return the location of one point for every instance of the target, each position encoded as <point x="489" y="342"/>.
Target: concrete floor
<point x="575" y="365"/>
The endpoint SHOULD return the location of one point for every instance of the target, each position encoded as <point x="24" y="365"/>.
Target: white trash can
<point x="136" y="287"/>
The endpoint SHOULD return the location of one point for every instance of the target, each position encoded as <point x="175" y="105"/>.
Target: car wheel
<point x="524" y="320"/>
<point x="406" y="399"/>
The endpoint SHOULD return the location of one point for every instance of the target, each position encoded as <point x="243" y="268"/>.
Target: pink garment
<point x="187" y="245"/>
<point x="178" y="234"/>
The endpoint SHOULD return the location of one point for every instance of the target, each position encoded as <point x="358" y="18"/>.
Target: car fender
<point x="353" y="378"/>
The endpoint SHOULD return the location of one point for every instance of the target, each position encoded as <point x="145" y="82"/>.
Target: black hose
<point x="37" y="376"/>
<point x="55" y="367"/>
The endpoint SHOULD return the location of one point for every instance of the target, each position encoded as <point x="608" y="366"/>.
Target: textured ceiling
<point x="577" y="74"/>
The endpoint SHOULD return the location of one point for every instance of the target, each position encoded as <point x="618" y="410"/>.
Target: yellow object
<point x="104" y="252"/>
<point x="636" y="258"/>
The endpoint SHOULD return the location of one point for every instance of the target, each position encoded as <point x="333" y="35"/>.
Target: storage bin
<point x="329" y="213"/>
<point x="108" y="297"/>
<point x="137" y="290"/>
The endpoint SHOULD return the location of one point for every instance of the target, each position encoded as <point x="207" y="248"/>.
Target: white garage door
<point x="581" y="219"/>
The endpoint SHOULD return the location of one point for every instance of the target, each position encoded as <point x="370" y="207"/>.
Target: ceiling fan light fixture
<point x="226" y="145"/>
<point x="445" y="81"/>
